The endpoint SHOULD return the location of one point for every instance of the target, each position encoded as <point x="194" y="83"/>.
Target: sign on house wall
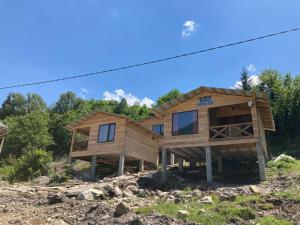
<point x="206" y="100"/>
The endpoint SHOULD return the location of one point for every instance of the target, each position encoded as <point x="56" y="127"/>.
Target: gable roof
<point x="261" y="97"/>
<point x="97" y="112"/>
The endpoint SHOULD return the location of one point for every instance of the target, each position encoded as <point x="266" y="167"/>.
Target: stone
<point x="56" y="198"/>
<point x="206" y="200"/>
<point x="41" y="180"/>
<point x="176" y="193"/>
<point x="113" y="191"/>
<point x="196" y="193"/>
<point x="284" y="157"/>
<point x="254" y="189"/>
<point x="136" y="221"/>
<point x="201" y="211"/>
<point x="121" y="209"/>
<point x="29" y="195"/>
<point x="182" y="214"/>
<point x="97" y="194"/>
<point x="127" y="193"/>
<point x="132" y="188"/>
<point x="85" y="195"/>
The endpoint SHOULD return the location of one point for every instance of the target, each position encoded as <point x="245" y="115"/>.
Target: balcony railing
<point x="80" y="146"/>
<point x="231" y="131"/>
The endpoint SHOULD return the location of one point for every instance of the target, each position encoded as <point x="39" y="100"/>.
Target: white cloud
<point x="117" y="95"/>
<point x="251" y="68"/>
<point x="83" y="92"/>
<point x="189" y="27"/>
<point x="253" y="79"/>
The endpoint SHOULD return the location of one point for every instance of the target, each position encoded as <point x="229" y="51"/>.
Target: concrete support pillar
<point x="261" y="161"/>
<point x="220" y="164"/>
<point x="93" y="167"/>
<point x="172" y="159"/>
<point x="164" y="165"/>
<point x="121" y="164"/>
<point x="209" y="178"/>
<point x="181" y="165"/>
<point x="141" y="167"/>
<point x="193" y="164"/>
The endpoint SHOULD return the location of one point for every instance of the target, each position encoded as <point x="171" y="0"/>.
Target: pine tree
<point x="246" y="84"/>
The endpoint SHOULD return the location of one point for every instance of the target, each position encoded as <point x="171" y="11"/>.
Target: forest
<point x="36" y="127"/>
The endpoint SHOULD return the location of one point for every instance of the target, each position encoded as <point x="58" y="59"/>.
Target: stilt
<point x="164" y="165"/>
<point x="141" y="167"/>
<point x="172" y="159"/>
<point x="220" y="164"/>
<point x="121" y="164"/>
<point x="93" y="167"/>
<point x="181" y="165"/>
<point x="209" y="178"/>
<point x="261" y="161"/>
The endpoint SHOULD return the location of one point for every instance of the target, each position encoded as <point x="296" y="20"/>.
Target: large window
<point x="158" y="129"/>
<point x="106" y="133"/>
<point x="185" y="123"/>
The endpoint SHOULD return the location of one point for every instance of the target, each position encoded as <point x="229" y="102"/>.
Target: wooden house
<point x="3" y="131"/>
<point x="213" y="124"/>
<point x="102" y="137"/>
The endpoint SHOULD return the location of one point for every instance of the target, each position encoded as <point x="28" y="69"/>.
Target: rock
<point x="284" y="157"/>
<point x="132" y="188"/>
<point x="196" y="193"/>
<point x="201" y="211"/>
<point x="182" y="214"/>
<point x="136" y="221"/>
<point x="227" y="196"/>
<point x="141" y="193"/>
<point x="42" y="180"/>
<point x="176" y="193"/>
<point x="56" y="198"/>
<point x="97" y="194"/>
<point x="127" y="193"/>
<point x="254" y="189"/>
<point x="29" y="195"/>
<point x="121" y="209"/>
<point x="206" y="200"/>
<point x="86" y="195"/>
<point x="113" y="191"/>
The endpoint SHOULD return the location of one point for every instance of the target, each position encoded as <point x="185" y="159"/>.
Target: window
<point x="185" y="123"/>
<point x="158" y="129"/>
<point x="106" y="133"/>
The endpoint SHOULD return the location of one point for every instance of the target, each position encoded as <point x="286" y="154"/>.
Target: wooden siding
<point x="95" y="148"/>
<point x="140" y="144"/>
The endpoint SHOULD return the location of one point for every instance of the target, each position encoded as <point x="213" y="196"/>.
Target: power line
<point x="154" y="61"/>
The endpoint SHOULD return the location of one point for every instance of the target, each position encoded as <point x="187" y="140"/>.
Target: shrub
<point x="33" y="163"/>
<point x="270" y="220"/>
<point x="281" y="164"/>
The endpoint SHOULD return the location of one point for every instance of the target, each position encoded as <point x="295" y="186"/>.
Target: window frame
<point x="162" y="131"/>
<point x="108" y="132"/>
<point x="194" y="110"/>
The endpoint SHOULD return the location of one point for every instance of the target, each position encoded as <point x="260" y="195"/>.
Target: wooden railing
<point x="80" y="146"/>
<point x="231" y="131"/>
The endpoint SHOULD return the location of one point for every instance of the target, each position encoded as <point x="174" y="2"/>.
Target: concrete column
<point x="121" y="164"/>
<point x="164" y="165"/>
<point x="172" y="159"/>
<point x="181" y="165"/>
<point x="220" y="164"/>
<point x="93" y="167"/>
<point x="193" y="164"/>
<point x="261" y="161"/>
<point x="141" y="167"/>
<point x="209" y="178"/>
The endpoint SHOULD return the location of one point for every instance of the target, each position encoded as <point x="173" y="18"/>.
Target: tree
<point x="27" y="131"/>
<point x="67" y="102"/>
<point x="167" y="97"/>
<point x="35" y="102"/>
<point x="245" y="81"/>
<point x="121" y="107"/>
<point x="13" y="105"/>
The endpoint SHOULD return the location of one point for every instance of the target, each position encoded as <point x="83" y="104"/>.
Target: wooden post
<point x="164" y="165"/>
<point x="181" y="165"/>
<point x="71" y="147"/>
<point x="261" y="161"/>
<point x="220" y="164"/>
<point x="172" y="159"/>
<point x="121" y="164"/>
<point x="141" y="167"/>
<point x="93" y="167"/>
<point x="1" y="145"/>
<point x="209" y="178"/>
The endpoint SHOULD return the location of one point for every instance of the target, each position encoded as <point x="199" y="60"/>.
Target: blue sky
<point x="41" y="40"/>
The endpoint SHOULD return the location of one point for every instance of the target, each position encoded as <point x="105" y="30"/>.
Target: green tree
<point x="245" y="82"/>
<point x="13" y="105"/>
<point x="30" y="130"/>
<point x="35" y="102"/>
<point x="121" y="106"/>
<point x="167" y="97"/>
<point x="67" y="102"/>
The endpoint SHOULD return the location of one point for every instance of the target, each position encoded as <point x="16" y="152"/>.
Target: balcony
<point x="80" y="146"/>
<point x="231" y="131"/>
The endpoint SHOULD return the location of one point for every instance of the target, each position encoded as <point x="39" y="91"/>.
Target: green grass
<point x="293" y="194"/>
<point x="270" y="220"/>
<point x="283" y="168"/>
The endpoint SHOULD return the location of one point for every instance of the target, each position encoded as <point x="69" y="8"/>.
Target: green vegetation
<point x="270" y="220"/>
<point x="33" y="163"/>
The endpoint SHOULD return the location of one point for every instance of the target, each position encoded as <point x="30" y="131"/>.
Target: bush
<point x="270" y="220"/>
<point x="33" y="163"/>
<point x="281" y="164"/>
<point x="63" y="175"/>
